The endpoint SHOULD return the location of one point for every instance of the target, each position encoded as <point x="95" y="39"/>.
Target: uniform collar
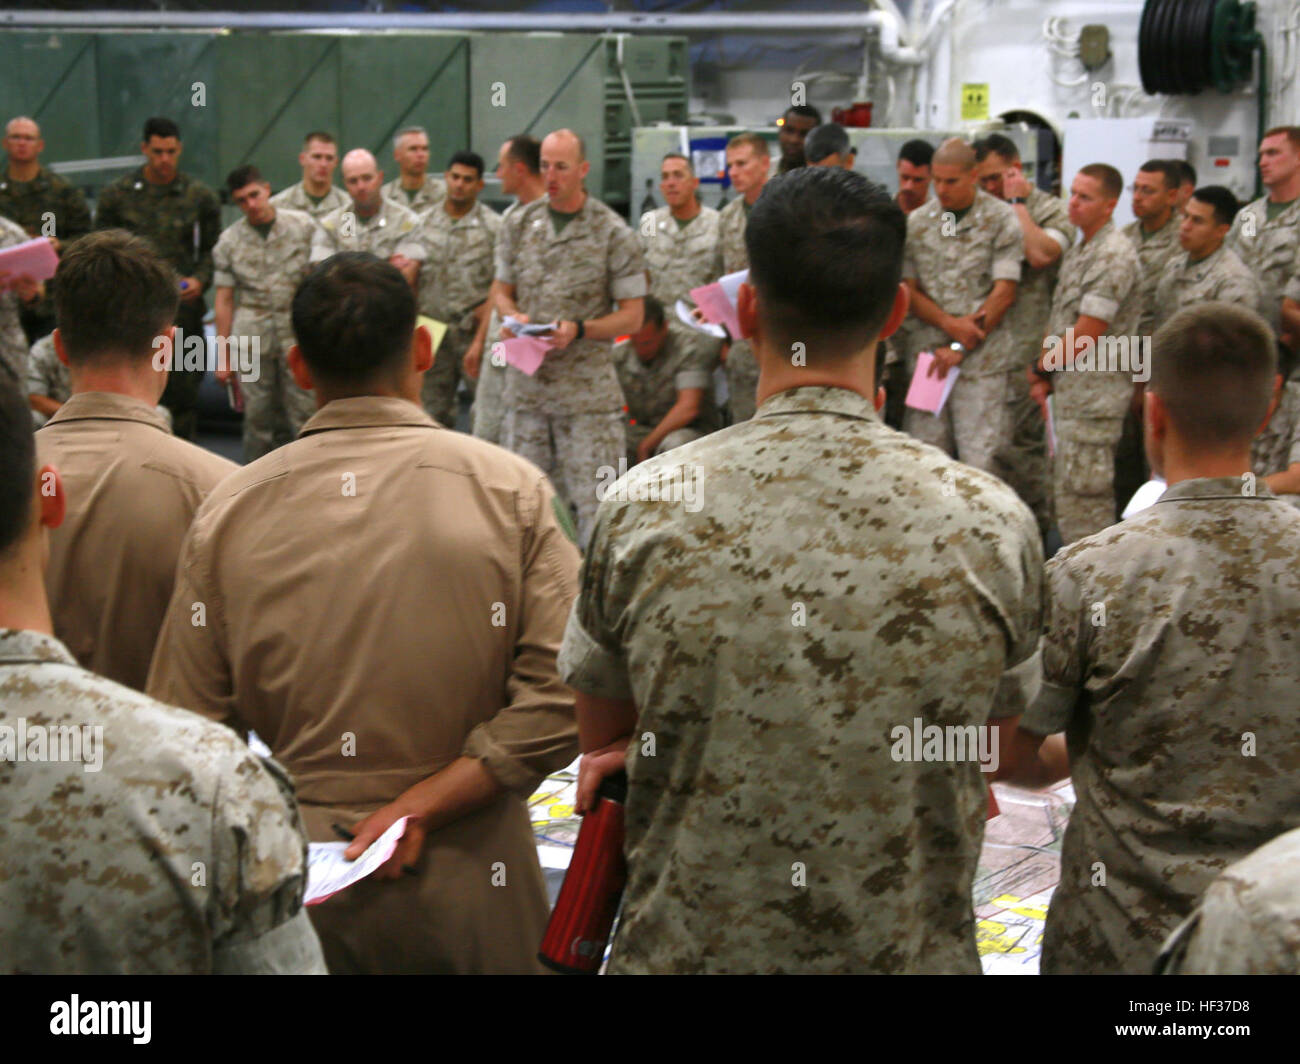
<point x="110" y="406"/>
<point x="1215" y="488"/>
<point x="818" y="399"/>
<point x="40" y="182"/>
<point x="367" y="411"/>
<point x="1197" y="270"/>
<point x="177" y="183"/>
<point x="578" y="225"/>
<point x="21" y="645"/>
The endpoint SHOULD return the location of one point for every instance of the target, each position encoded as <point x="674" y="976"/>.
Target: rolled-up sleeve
<point x="626" y="264"/>
<point x="592" y="659"/>
<point x="536" y="732"/>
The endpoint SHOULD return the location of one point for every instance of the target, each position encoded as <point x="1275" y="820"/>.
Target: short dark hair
<point x="160" y="127"/>
<point x="1224" y="202"/>
<point x="804" y="110"/>
<point x="471" y="159"/>
<point x="354" y="318"/>
<point x="825" y="140"/>
<point x="527" y="150"/>
<point x="1167" y="168"/>
<point x="654" y="312"/>
<point x="114" y="295"/>
<point x="1213" y="365"/>
<point x="996" y="144"/>
<point x="1186" y="173"/>
<point x="825" y="256"/>
<point x="1112" y="185"/>
<point x="243" y="175"/>
<point x="17" y="465"/>
<point x="916" y="152"/>
<point x="678" y="155"/>
<point x="319" y="134"/>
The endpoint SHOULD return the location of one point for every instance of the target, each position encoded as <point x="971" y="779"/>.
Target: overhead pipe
<point x="886" y="22"/>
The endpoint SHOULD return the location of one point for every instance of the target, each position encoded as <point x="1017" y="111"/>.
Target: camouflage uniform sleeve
<point x="1292" y="290"/>
<point x="626" y="264"/>
<point x="1056" y="224"/>
<point x="191" y="662"/>
<point x="1008" y="248"/>
<point x="108" y="209"/>
<point x="209" y="231"/>
<point x="592" y="659"/>
<point x="1062" y="650"/>
<point x="910" y="270"/>
<point x="1243" y="290"/>
<point x="76" y="215"/>
<point x="259" y="856"/>
<point x="505" y="249"/>
<point x="222" y="275"/>
<point x="536" y="732"/>
<point x="1162" y="301"/>
<point x="1104" y="288"/>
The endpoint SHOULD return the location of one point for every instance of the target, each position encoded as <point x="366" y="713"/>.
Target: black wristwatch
<point x="1016" y="199"/>
<point x="582" y="331"/>
<point x="1042" y="374"/>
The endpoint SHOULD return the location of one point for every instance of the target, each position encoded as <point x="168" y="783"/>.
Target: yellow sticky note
<point x="974" y="102"/>
<point x="437" y="329"/>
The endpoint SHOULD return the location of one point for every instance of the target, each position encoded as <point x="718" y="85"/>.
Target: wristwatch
<point x="1042" y="374"/>
<point x="959" y="348"/>
<point x="1016" y="199"/>
<point x="581" y="330"/>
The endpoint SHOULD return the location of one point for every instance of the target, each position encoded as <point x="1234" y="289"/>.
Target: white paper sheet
<point x="329" y="872"/>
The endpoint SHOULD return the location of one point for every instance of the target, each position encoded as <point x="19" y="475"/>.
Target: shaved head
<point x="22" y="124"/>
<point x="955" y="152"/>
<point x="565" y="141"/>
<point x="358" y="159"/>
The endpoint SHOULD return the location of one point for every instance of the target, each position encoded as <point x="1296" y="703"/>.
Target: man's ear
<point x="902" y="300"/>
<point x="422" y="350"/>
<point x="51" y="502"/>
<point x="298" y="367"/>
<point x="747" y="310"/>
<point x="880" y="399"/>
<point x="1155" y="417"/>
<point x="60" y="348"/>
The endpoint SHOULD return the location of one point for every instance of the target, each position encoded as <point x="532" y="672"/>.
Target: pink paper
<point x="927" y="392"/>
<point x="36" y="258"/>
<point x="526" y="353"/>
<point x="717" y="307"/>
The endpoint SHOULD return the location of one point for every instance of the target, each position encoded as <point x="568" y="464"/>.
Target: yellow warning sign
<point x="974" y="102"/>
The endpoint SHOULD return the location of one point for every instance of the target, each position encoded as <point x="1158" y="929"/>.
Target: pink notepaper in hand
<point x="717" y="301"/>
<point x="35" y="258"/>
<point x="927" y="392"/>
<point x="525" y="353"/>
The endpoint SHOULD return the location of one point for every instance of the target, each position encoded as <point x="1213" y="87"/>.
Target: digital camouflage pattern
<point x="1277" y="448"/>
<point x="264" y="272"/>
<point x="741" y="366"/>
<point x="429" y="195"/>
<point x="182" y="220"/>
<point x="956" y="263"/>
<point x="1099" y="279"/>
<point x="1168" y="660"/>
<point x="567" y="418"/>
<point x="391" y="230"/>
<point x="488" y="413"/>
<point x="296" y="199"/>
<point x="183" y="854"/>
<point x="47" y="205"/>
<point x="454" y="279"/>
<point x="678" y="258"/>
<point x="1023" y="460"/>
<point x="1219" y="277"/>
<point x="46" y="375"/>
<point x="1248" y="923"/>
<point x="13" y="341"/>
<point x="651" y="388"/>
<point x="832" y="581"/>
<point x="1268" y="250"/>
<point x="1154" y="253"/>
